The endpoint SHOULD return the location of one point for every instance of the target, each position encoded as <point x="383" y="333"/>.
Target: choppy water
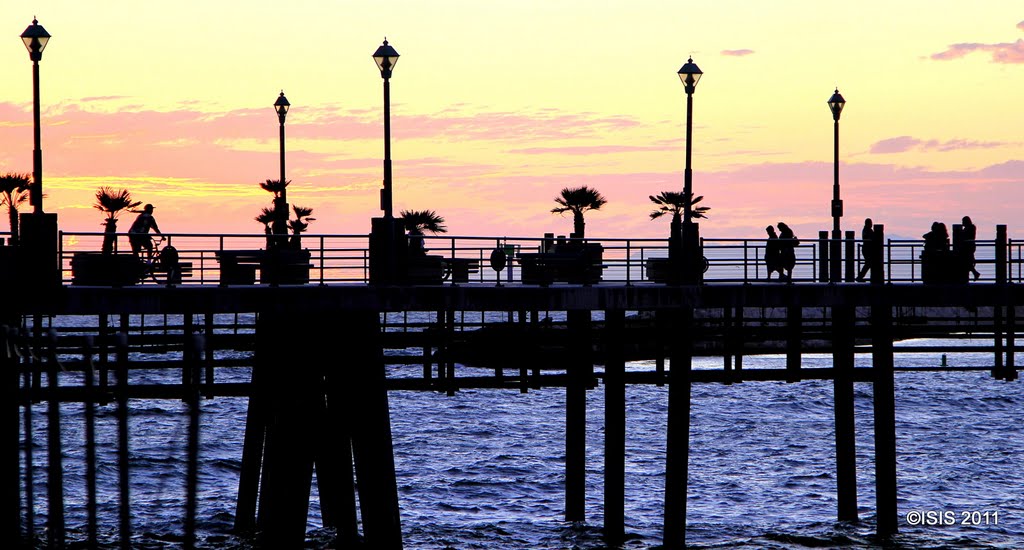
<point x="484" y="469"/>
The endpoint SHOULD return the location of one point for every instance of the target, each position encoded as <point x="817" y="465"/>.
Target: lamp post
<point x="35" y="38"/>
<point x="689" y="74"/>
<point x="835" y="104"/>
<point x="280" y="225"/>
<point x="386" y="57"/>
<point x="387" y="242"/>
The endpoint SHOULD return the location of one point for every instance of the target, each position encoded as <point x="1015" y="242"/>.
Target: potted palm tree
<point x="421" y="267"/>
<point x="299" y="225"/>
<point x="14" y="191"/>
<point x="279" y="224"/>
<point x="107" y="267"/>
<point x="578" y="200"/>
<point x="674" y="203"/>
<point x="266" y="217"/>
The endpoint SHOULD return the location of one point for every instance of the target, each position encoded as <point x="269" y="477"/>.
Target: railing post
<point x="823" y="270"/>
<point x="851" y="259"/>
<point x="1001" y="249"/>
<point x="322" y="254"/>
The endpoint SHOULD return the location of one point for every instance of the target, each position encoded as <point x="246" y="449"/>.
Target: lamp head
<point x="35" y="38"/>
<point x="689" y="73"/>
<point x="385" y="57"/>
<point x="835" y="104"/>
<point x="281" y="106"/>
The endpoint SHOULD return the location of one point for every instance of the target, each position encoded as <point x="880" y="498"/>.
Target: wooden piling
<point x="614" y="428"/>
<point x="125" y="523"/>
<point x="998" y="371"/>
<point x="372" y="446"/>
<point x="843" y="319"/>
<point x="292" y="405"/>
<point x="885" y="419"/>
<point x="12" y="421"/>
<point x="31" y="366"/>
<point x="192" y="361"/>
<point x="334" y="474"/>
<point x="580" y="362"/>
<point x="55" y="532"/>
<point x="677" y="452"/>
<point x="794" y="333"/>
<point x="90" y="445"/>
<point x="252" y="451"/>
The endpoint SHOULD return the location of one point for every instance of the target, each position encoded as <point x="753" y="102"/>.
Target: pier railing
<point x="338" y="258"/>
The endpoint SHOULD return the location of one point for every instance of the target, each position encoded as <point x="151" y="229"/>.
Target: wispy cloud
<point x="588" y="149"/>
<point x="903" y="144"/>
<point x="737" y="53"/>
<point x="1004" y="52"/>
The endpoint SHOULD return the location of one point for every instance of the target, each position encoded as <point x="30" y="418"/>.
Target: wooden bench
<point x="580" y="264"/>
<point x="458" y="269"/>
<point x="238" y="267"/>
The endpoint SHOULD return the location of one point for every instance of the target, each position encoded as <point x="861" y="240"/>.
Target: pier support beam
<point x="885" y="419"/>
<point x="580" y="365"/>
<point x="372" y="446"/>
<point x="614" y="428"/>
<point x="11" y="461"/>
<point x="843" y="318"/>
<point x="292" y="408"/>
<point x="677" y="451"/>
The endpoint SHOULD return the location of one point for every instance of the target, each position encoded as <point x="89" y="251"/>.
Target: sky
<point x="496" y="106"/>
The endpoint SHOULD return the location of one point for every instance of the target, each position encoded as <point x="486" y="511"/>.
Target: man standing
<point x="869" y="249"/>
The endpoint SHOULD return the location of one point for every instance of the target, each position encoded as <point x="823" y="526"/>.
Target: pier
<point x="490" y="330"/>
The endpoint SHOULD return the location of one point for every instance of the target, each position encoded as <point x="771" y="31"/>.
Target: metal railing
<point x="341" y="259"/>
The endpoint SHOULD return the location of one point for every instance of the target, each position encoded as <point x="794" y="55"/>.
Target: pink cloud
<point x="902" y="144"/>
<point x="587" y="149"/>
<point x="737" y="53"/>
<point x="1007" y="52"/>
<point x="1020" y="25"/>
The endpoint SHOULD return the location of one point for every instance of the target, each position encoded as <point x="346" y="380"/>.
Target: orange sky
<point x="495" y="110"/>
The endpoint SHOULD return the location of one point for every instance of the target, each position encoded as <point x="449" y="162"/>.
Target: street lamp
<point x="386" y="57"/>
<point x="280" y="225"/>
<point x="835" y="104"/>
<point x="35" y="38"/>
<point x="689" y="74"/>
<point x="387" y="242"/>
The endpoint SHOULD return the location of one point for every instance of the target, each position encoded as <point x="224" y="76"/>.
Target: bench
<point x="238" y="267"/>
<point x="458" y="269"/>
<point x="575" y="263"/>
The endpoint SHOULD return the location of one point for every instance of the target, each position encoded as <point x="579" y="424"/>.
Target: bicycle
<point x="161" y="262"/>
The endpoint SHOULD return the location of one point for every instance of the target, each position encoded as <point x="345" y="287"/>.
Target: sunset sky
<point x="498" y="105"/>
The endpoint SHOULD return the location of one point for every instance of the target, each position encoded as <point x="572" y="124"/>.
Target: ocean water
<point x="485" y="468"/>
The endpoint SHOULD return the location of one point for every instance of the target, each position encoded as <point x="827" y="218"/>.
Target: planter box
<point x="98" y="269"/>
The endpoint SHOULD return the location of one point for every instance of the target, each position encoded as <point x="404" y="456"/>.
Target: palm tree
<point x="418" y="221"/>
<point x="112" y="203"/>
<point x="266" y="217"/>
<point x="14" y="192"/>
<point x="674" y="202"/>
<point x="578" y="200"/>
<point x="280" y="223"/>
<point x="299" y="224"/>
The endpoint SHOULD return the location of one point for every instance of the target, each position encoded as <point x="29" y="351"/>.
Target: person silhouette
<point x="969" y="233"/>
<point x="870" y="249"/>
<point x="138" y="233"/>
<point x="935" y="256"/>
<point x="773" y="253"/>
<point x="787" y="250"/>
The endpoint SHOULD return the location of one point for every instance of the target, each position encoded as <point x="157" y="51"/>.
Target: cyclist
<point x="138" y="234"/>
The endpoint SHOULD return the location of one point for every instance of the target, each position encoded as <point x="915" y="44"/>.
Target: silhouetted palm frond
<point x="274" y="186"/>
<point x="578" y="200"/>
<point x="674" y="202"/>
<point x="113" y="202"/>
<point x="266" y="216"/>
<point x="423" y="220"/>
